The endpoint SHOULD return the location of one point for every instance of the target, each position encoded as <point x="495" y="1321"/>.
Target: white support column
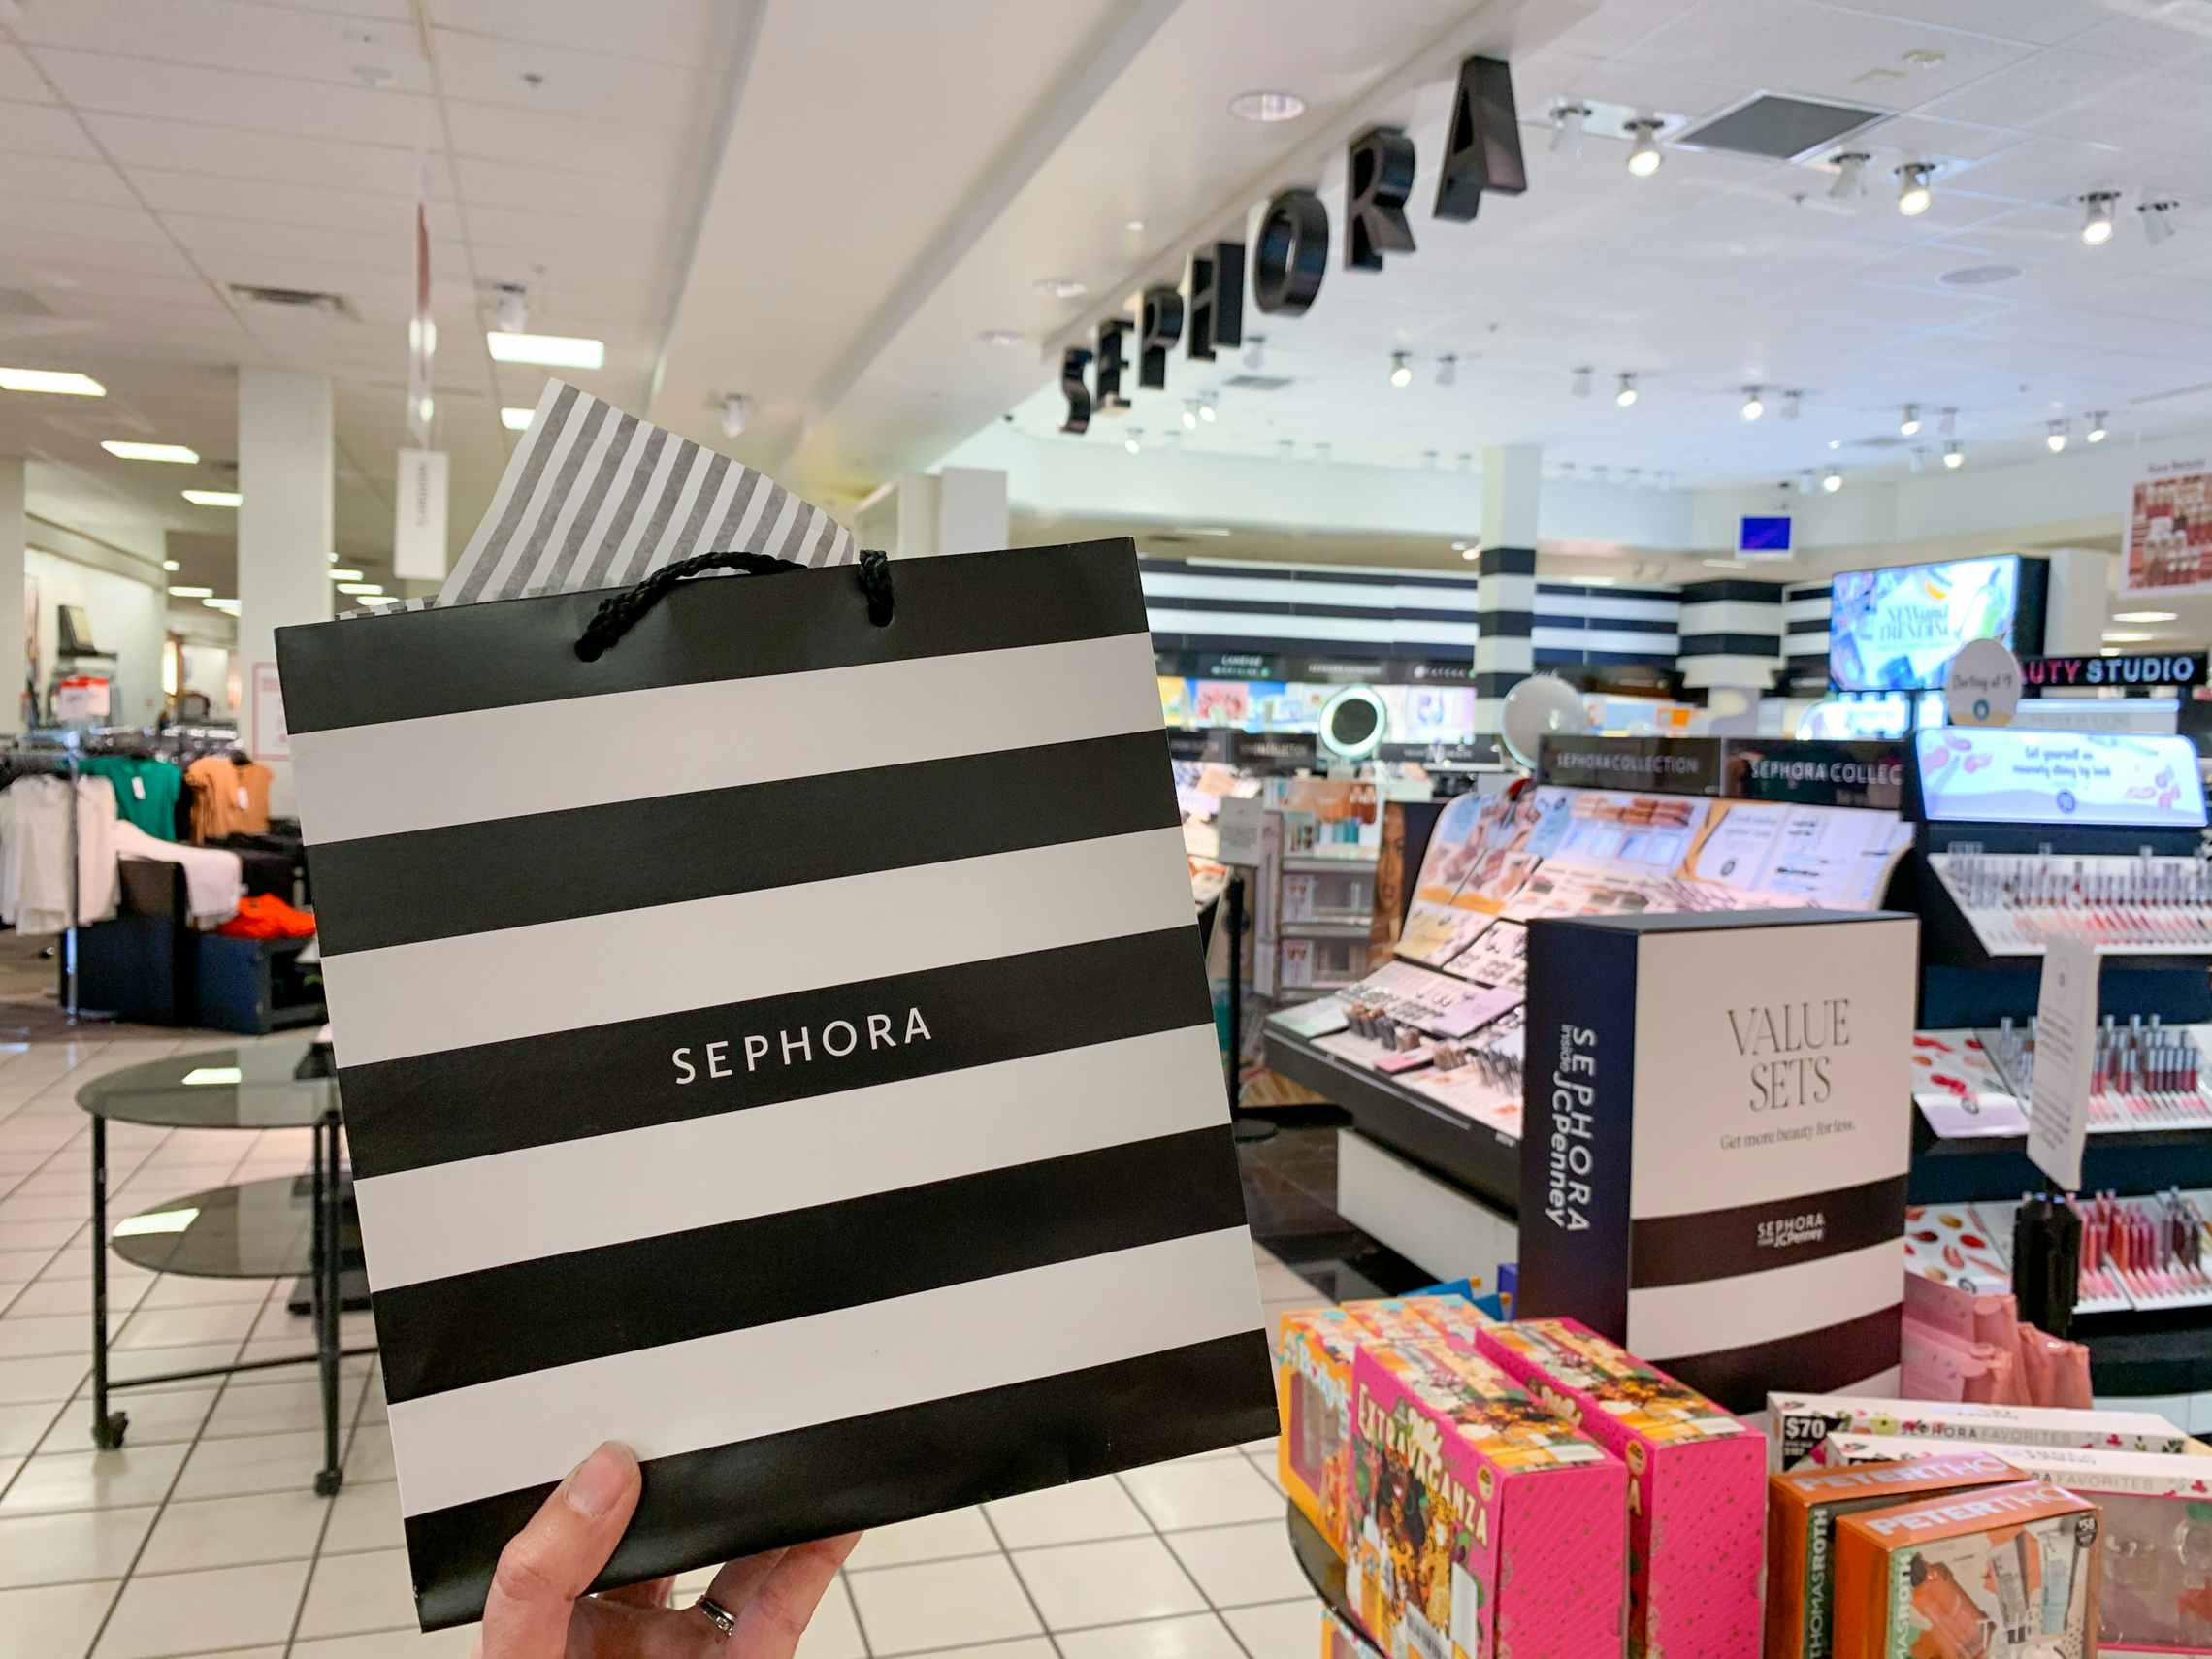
<point x="971" y="510"/>
<point x="13" y="663"/>
<point x="1504" y="581"/>
<point x="2073" y="623"/>
<point x="285" y="468"/>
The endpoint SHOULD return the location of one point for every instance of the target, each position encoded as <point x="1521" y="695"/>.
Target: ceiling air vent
<point x="1258" y="382"/>
<point x="296" y="300"/>
<point x="1778" y="129"/>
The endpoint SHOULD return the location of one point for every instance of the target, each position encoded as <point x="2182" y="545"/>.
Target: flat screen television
<point x="1898" y="629"/>
<point x="1764" y="536"/>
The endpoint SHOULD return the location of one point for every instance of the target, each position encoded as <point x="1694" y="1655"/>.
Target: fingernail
<point x="595" y="1484"/>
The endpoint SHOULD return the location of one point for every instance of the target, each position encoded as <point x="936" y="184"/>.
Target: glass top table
<point x="257" y="1229"/>
<point x="284" y="1085"/>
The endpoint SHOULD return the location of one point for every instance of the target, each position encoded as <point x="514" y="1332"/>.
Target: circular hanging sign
<point x="1983" y="686"/>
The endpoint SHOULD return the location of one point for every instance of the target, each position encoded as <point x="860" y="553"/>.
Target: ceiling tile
<point x="174" y="193"/>
<point x="2045" y="171"/>
<point x="2138" y="40"/>
<point x="98" y="285"/>
<point x="554" y="190"/>
<point x="2040" y="22"/>
<point x="44" y="129"/>
<point x="237" y="152"/>
<point x="30" y="213"/>
<point x="19" y="79"/>
<point x="369" y="248"/>
<point x="266" y="103"/>
<point x="2029" y="93"/>
<point x="478" y="68"/>
<point x="1797" y="46"/>
<point x="663" y="32"/>
<point x="235" y="34"/>
<point x="646" y="157"/>
<point x="53" y="179"/>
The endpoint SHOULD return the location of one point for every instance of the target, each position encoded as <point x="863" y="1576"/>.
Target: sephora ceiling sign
<point x="1292" y="252"/>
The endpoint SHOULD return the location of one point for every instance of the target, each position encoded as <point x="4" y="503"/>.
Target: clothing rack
<point x="59" y="754"/>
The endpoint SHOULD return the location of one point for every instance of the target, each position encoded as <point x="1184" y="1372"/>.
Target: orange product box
<point x="1803" y="1508"/>
<point x="1313" y="1389"/>
<point x="2003" y="1570"/>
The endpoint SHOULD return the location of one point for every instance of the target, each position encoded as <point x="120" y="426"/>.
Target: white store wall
<point x="128" y="618"/>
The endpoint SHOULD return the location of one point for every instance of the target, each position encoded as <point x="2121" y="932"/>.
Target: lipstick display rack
<point x="2143" y="1075"/>
<point x="2145" y="1255"/>
<point x="2140" y="904"/>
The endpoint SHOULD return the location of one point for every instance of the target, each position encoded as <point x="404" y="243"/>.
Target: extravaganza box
<point x="2003" y="1571"/>
<point x="1697" y="1479"/>
<point x="1722" y="1099"/>
<point x="1481" y="1524"/>
<point x="1802" y="1506"/>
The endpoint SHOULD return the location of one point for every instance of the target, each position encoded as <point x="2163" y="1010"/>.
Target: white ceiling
<point x="152" y="154"/>
<point x="823" y="207"/>
<point x="1723" y="271"/>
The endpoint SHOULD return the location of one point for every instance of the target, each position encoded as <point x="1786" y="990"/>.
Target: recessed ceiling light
<point x="1832" y="480"/>
<point x="62" y="383"/>
<point x="1952" y="456"/>
<point x="1062" y="287"/>
<point x="1914" y="194"/>
<point x="227" y="605"/>
<point x="2096" y="218"/>
<point x="1208" y="408"/>
<point x="2056" y="438"/>
<point x="1401" y="370"/>
<point x="361" y="590"/>
<point x="2123" y="637"/>
<point x="2108" y="651"/>
<point x="1598" y="581"/>
<point x="1202" y="529"/>
<point x="1835" y="444"/>
<point x="191" y="593"/>
<point x="2143" y="616"/>
<point x="1130" y="442"/>
<point x="1723" y="564"/>
<point x="1001" y="337"/>
<point x="1460" y="546"/>
<point x="1190" y="415"/>
<point x="1643" y="155"/>
<point x="122" y="449"/>
<point x="1134" y="225"/>
<point x="516" y="418"/>
<point x="1979" y="276"/>
<point x="171" y="565"/>
<point x="548" y="350"/>
<point x="1267" y="107"/>
<point x="341" y="574"/>
<point x="1754" y="406"/>
<point x="1471" y="552"/>
<point x="214" y="498"/>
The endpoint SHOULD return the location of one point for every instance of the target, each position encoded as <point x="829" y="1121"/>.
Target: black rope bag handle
<point x="619" y="612"/>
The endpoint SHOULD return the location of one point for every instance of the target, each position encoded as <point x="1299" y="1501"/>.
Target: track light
<point x="1793" y="405"/>
<point x="737" y="409"/>
<point x="1851" y="175"/>
<point x="2157" y="214"/>
<point x="2096" y="433"/>
<point x="1401" y="370"/>
<point x="1567" y="127"/>
<point x="1832" y="480"/>
<point x="1754" y="406"/>
<point x="1130" y="442"/>
<point x="2096" y="218"/>
<point x="1949" y="425"/>
<point x="1954" y="457"/>
<point x="1917" y="461"/>
<point x="1190" y="415"/>
<point x="2055" y="439"/>
<point x="1207" y="409"/>
<point x="1581" y="383"/>
<point x="1448" y="370"/>
<point x="1805" y="483"/>
<point x="512" y="307"/>
<point x="1909" y="424"/>
<point x="1626" y="396"/>
<point x="1912" y="193"/>
<point x="1256" y="352"/>
<point x="1643" y="155"/>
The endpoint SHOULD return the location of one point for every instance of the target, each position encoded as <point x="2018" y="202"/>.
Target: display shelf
<point x="2143" y="1353"/>
<point x="1475" y="1155"/>
<point x="1997" y="1166"/>
<point x="1322" y="863"/>
<point x="1323" y="1568"/>
<point x="1323" y="930"/>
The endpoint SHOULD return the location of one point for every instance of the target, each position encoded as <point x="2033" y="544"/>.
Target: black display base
<point x="1325" y="1571"/>
<point x="1466" y="1153"/>
<point x="2137" y="1355"/>
<point x="352" y="1293"/>
<point x="2145" y="1160"/>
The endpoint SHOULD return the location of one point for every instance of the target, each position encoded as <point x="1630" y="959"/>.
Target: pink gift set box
<point x="1482" y="1524"/>
<point x="1697" y="1484"/>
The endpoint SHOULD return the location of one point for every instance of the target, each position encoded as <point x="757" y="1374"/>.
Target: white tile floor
<point x="202" y="1536"/>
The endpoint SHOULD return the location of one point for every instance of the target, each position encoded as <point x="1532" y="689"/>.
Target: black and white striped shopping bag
<point x="779" y="1044"/>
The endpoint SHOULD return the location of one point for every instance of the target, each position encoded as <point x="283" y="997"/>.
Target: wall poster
<point x="2169" y="529"/>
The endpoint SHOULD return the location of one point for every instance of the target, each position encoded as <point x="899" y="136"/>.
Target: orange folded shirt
<point x="264" y="916"/>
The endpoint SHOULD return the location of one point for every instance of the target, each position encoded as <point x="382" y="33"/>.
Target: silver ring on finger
<point x="718" y="1616"/>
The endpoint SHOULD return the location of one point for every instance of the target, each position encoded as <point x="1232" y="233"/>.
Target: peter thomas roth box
<point x="1696" y="1485"/>
<point x="1482" y="1524"/>
<point x="1718" y="1124"/>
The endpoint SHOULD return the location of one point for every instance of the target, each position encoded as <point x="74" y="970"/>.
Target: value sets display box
<point x="1718" y="1127"/>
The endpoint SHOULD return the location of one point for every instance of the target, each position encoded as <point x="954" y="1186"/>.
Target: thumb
<point x="552" y="1561"/>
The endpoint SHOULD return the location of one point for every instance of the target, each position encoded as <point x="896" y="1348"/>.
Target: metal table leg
<point x="325" y="1270"/>
<point x="108" y="1427"/>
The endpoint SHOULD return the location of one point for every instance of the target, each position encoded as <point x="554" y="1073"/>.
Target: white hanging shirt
<point x="34" y="852"/>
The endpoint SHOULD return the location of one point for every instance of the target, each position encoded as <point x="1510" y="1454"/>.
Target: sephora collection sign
<point x="1719" y="1126"/>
